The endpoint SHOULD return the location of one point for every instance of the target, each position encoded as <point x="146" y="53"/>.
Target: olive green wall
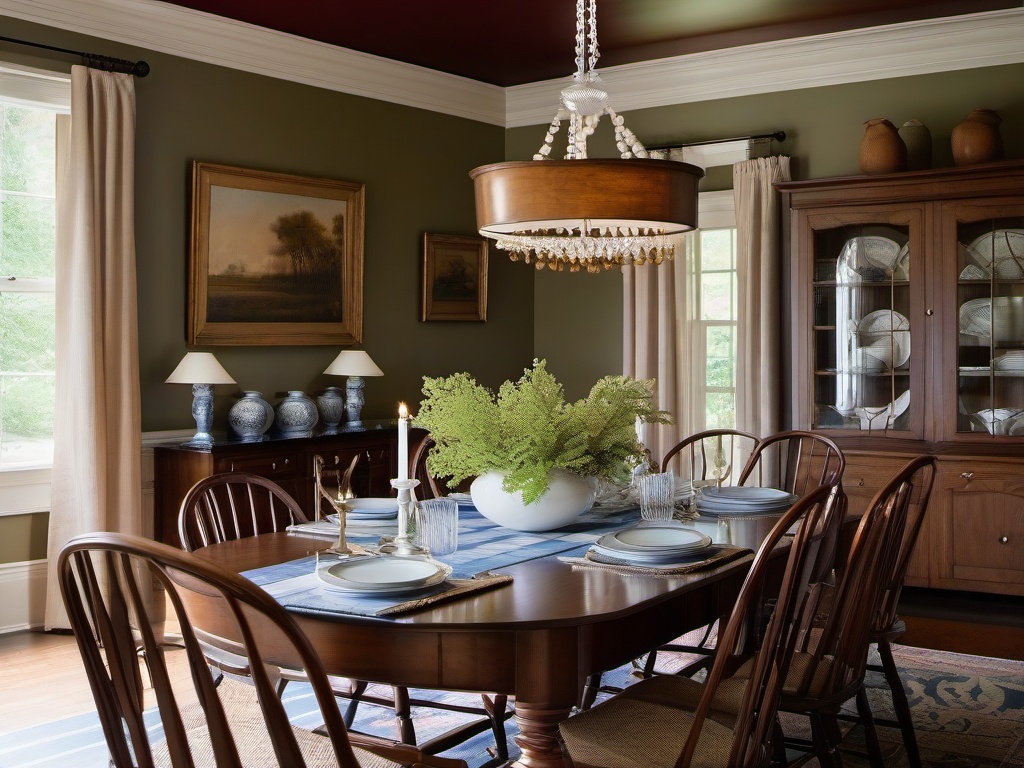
<point x="578" y="317"/>
<point x="415" y="166"/>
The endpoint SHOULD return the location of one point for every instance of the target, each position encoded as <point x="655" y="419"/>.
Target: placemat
<point x="722" y="555"/>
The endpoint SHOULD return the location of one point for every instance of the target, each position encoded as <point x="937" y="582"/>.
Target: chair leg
<point x="870" y="734"/>
<point x="495" y="709"/>
<point x="358" y="689"/>
<point x="590" y="689"/>
<point x="403" y="715"/>
<point x="826" y="753"/>
<point x="900" y="703"/>
<point x="779" y="745"/>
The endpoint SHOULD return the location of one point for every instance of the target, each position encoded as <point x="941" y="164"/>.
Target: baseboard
<point x="953" y="605"/>
<point x="22" y="595"/>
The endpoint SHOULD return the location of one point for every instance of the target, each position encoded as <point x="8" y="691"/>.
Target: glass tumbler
<point x="657" y="496"/>
<point x="437" y="526"/>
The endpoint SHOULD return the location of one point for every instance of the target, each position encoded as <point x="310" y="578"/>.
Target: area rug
<point x="968" y="712"/>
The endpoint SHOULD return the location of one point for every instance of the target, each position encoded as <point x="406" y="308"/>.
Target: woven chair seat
<point x="251" y="737"/>
<point x="630" y="731"/>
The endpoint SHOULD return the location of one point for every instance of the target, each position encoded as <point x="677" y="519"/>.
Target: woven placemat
<point x="721" y="556"/>
<point x="459" y="588"/>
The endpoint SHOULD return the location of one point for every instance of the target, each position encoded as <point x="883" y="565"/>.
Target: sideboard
<point x="286" y="460"/>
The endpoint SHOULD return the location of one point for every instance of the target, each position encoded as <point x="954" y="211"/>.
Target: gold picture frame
<point x="274" y="259"/>
<point x="454" y="278"/>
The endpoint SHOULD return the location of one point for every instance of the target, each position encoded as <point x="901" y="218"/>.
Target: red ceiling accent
<point x="509" y="42"/>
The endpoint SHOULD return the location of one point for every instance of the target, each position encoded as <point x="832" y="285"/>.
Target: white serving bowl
<point x="996" y="421"/>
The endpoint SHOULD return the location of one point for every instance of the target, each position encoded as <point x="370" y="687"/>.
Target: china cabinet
<point x="906" y="337"/>
<point x="288" y="461"/>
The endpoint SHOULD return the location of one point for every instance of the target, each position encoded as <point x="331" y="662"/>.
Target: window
<point x="27" y="233"/>
<point x="711" y="255"/>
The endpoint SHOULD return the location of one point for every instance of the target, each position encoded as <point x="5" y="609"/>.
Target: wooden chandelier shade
<point x="584" y="196"/>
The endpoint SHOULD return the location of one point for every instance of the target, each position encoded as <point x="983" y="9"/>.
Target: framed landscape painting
<point x="454" y="278"/>
<point x="274" y="259"/>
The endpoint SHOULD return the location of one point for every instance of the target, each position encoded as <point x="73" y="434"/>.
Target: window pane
<point x="27" y="333"/>
<point x="716" y="296"/>
<point x="26" y="420"/>
<point x="716" y="249"/>
<point x="27" y="150"/>
<point x="26" y="236"/>
<point x="720" y="410"/>
<point x="720" y="357"/>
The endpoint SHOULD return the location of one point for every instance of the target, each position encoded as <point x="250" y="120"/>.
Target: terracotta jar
<point x="882" y="150"/>
<point x="918" y="140"/>
<point x="977" y="139"/>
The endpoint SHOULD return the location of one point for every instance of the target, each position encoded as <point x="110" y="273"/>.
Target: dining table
<point x="536" y="637"/>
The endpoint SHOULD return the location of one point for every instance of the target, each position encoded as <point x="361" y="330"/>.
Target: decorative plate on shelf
<point x="871" y="258"/>
<point x="1000" y="251"/>
<point x="1001" y="319"/>
<point x="884" y="325"/>
<point x="883" y="417"/>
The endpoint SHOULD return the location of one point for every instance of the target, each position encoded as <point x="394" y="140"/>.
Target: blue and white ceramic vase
<point x="251" y="416"/>
<point x="331" y="404"/>
<point x="296" y="414"/>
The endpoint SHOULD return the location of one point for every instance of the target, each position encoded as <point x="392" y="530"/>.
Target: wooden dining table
<point x="537" y="638"/>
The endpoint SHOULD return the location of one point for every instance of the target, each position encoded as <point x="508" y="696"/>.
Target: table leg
<point x="538" y="735"/>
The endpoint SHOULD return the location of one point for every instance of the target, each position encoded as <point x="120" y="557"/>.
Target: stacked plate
<point x="464" y="500"/>
<point x="744" y="500"/>
<point x="372" y="509"/>
<point x="654" y="546"/>
<point x="383" y="576"/>
<point x="1012" y="361"/>
<point x="1000" y="319"/>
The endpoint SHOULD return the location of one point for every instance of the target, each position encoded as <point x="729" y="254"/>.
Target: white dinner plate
<point x="641" y="558"/>
<point x="1000" y="319"/>
<point x="655" y="540"/>
<point x="380" y="575"/>
<point x="372" y="505"/>
<point x="885" y="324"/>
<point x="1001" y="251"/>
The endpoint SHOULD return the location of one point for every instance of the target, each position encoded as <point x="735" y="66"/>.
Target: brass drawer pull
<point x="1004" y="539"/>
<point x="967" y="475"/>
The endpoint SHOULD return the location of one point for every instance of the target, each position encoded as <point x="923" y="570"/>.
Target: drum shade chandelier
<point x="579" y="212"/>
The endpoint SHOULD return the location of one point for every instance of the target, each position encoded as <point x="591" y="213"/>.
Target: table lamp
<point x="355" y="364"/>
<point x="202" y="371"/>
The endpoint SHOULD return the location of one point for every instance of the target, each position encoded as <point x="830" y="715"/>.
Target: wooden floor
<point x="42" y="679"/>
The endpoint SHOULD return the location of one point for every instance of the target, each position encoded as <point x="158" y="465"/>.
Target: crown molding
<point x="215" y="40"/>
<point x="897" y="50"/>
<point x="920" y="47"/>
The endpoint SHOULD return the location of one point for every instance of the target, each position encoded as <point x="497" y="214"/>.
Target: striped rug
<point x="968" y="712"/>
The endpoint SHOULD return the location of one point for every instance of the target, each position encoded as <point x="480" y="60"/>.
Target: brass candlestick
<point x="337" y="501"/>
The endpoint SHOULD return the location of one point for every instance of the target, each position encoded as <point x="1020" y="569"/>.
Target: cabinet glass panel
<point x="861" y="338"/>
<point x="990" y="300"/>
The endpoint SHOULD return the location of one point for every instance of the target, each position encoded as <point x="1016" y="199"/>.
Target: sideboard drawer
<point x="272" y="467"/>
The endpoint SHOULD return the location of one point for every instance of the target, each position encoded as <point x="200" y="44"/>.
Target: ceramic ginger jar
<point x="881" y="148"/>
<point x="977" y="139"/>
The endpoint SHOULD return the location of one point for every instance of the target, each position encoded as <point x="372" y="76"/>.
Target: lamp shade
<point x="199" y="368"/>
<point x="353" y="362"/>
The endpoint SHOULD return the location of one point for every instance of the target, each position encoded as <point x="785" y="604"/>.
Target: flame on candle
<point x="403" y="412"/>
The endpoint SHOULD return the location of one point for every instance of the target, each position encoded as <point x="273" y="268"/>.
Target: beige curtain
<point x="656" y="345"/>
<point x="759" y="273"/>
<point x="96" y="482"/>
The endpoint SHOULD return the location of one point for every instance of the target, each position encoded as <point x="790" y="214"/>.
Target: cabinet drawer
<point x="272" y="467"/>
<point x="865" y="474"/>
<point x="972" y="476"/>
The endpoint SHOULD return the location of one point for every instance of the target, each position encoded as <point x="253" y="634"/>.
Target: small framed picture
<point x="454" y="278"/>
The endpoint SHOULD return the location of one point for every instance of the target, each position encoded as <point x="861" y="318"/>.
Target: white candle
<point x="403" y="442"/>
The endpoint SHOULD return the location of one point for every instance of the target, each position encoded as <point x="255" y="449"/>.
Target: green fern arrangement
<point x="529" y="429"/>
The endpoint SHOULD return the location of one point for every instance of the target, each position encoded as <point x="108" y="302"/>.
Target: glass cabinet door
<point x="861" y="351"/>
<point x="990" y="321"/>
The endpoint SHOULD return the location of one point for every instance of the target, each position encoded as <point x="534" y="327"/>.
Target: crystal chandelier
<point x="584" y="213"/>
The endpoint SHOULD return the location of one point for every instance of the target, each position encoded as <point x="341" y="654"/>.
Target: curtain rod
<point x="776" y="136"/>
<point x="96" y="60"/>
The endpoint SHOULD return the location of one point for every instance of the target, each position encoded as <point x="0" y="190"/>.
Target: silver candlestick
<point x="402" y="544"/>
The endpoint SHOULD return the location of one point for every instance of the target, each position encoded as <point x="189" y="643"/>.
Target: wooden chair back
<point x="711" y="457"/>
<point x="915" y="492"/>
<point x="430" y="486"/>
<point x="234" y="505"/>
<point x="835" y="649"/>
<point x="817" y="515"/>
<point x="795" y="461"/>
<point x="104" y="580"/>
